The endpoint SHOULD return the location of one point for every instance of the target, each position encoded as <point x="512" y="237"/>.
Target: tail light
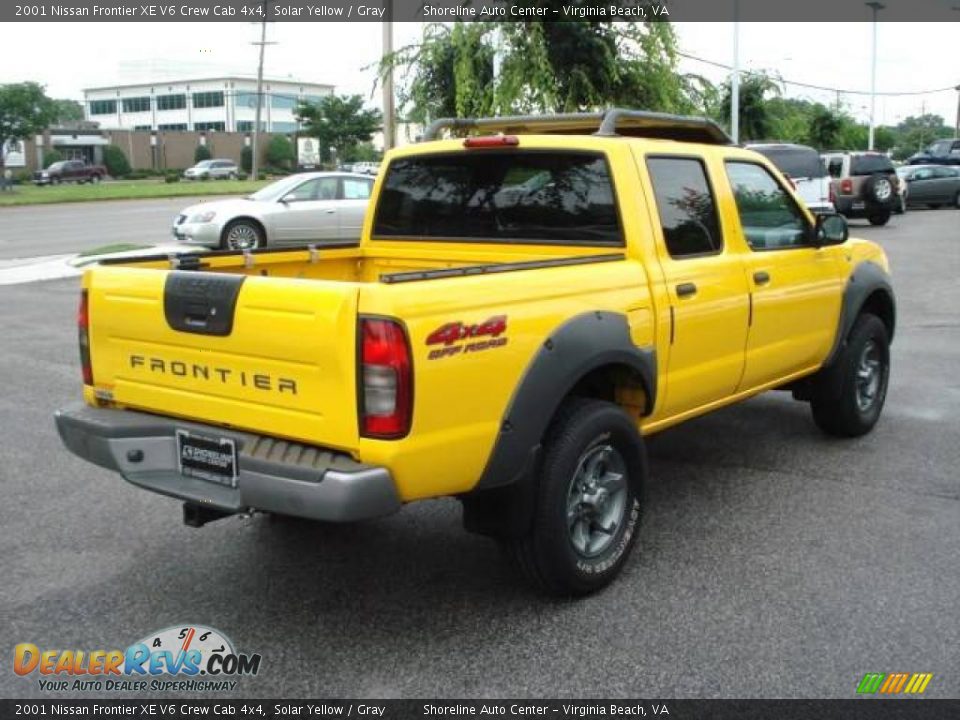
<point x="488" y="141"/>
<point x="832" y="194"/>
<point x="83" y="335"/>
<point x="846" y="186"/>
<point x="386" y="379"/>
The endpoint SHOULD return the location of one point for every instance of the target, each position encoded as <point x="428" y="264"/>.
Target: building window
<point x="142" y="127"/>
<point x="311" y="99"/>
<point x="246" y="100"/>
<point x="103" y="107"/>
<point x="136" y="104"/>
<point x="172" y="126"/>
<point x="213" y="126"/>
<point x="247" y="126"/>
<point x="171" y="102"/>
<point x="283" y="127"/>
<point x="208" y="99"/>
<point x="283" y="102"/>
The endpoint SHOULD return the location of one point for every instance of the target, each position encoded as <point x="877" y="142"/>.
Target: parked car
<point x="864" y="185"/>
<point x="508" y="349"/>
<point x="213" y="169"/>
<point x="941" y="152"/>
<point x="932" y="185"/>
<point x="366" y="168"/>
<point x="70" y="171"/>
<point x="318" y="206"/>
<point x="803" y="167"/>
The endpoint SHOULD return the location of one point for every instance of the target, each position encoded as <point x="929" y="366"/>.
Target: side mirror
<point x="831" y="229"/>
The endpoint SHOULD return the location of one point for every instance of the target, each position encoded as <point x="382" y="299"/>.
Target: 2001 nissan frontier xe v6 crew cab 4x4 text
<point x="531" y="296"/>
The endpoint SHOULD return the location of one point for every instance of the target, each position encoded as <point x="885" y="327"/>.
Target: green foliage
<point x="280" y="152"/>
<point x="361" y="152"/>
<point x="201" y="153"/>
<point x="338" y="121"/>
<point x="916" y="132"/>
<point x="246" y="159"/>
<point x="756" y="122"/>
<point x="115" y="161"/>
<point x="50" y="157"/>
<point x="25" y="110"/>
<point x="544" y="67"/>
<point x="172" y="176"/>
<point x="67" y="111"/>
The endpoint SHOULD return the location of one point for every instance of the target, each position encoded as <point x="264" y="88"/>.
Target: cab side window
<point x="687" y="208"/>
<point x="769" y="217"/>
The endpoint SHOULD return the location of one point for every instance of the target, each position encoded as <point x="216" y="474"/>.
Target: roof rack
<point x="609" y="123"/>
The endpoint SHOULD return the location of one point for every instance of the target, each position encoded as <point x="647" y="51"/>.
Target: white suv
<point x="802" y="166"/>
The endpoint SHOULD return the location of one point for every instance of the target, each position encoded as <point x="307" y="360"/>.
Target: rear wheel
<point x="956" y="201"/>
<point x="933" y="206"/>
<point x="243" y="235"/>
<point x="847" y="398"/>
<point x="588" y="501"/>
<point x="880" y="217"/>
<point x="94" y="179"/>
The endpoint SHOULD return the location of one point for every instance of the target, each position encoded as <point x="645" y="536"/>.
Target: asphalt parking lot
<point x="772" y="562"/>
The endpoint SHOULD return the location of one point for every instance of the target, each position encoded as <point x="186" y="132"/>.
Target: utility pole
<point x="389" y="129"/>
<point x="255" y="162"/>
<point x="735" y="77"/>
<point x="876" y="7"/>
<point x="956" y="127"/>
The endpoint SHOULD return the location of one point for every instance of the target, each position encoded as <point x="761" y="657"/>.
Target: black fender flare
<point x="867" y="282"/>
<point x="579" y="346"/>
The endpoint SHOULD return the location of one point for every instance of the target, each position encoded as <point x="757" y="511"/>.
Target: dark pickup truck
<point x="942" y="152"/>
<point x="70" y="171"/>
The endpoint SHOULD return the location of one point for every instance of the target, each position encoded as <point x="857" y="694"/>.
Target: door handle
<point x="331" y="212"/>
<point x="761" y="277"/>
<point x="686" y="289"/>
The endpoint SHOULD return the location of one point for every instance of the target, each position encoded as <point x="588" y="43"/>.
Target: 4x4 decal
<point x="455" y="337"/>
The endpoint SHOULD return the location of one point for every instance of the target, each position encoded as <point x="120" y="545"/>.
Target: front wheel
<point x="242" y="235"/>
<point x="94" y="179"/>
<point x="847" y="399"/>
<point x="588" y="501"/>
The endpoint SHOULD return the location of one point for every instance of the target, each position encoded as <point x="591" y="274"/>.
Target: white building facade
<point x="224" y="104"/>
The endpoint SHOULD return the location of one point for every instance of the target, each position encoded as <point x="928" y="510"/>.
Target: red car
<point x="70" y="171"/>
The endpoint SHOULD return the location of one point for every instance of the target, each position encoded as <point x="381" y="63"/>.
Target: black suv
<point x="941" y="152"/>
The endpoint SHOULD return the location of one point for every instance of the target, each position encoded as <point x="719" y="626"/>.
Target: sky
<point x="911" y="57"/>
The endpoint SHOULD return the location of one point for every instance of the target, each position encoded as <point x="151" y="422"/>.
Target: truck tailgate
<point x="266" y="354"/>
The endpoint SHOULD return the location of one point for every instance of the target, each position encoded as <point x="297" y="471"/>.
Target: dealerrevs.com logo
<point x="182" y="658"/>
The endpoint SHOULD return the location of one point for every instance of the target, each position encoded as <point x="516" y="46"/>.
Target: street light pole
<point x="389" y="132"/>
<point x="255" y="160"/>
<point x="735" y="77"/>
<point x="876" y="7"/>
<point x="956" y="127"/>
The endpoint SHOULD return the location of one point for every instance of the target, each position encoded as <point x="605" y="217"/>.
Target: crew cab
<point x="530" y="297"/>
<point x="70" y="171"/>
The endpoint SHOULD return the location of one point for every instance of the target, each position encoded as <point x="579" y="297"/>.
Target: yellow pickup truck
<point x="530" y="297"/>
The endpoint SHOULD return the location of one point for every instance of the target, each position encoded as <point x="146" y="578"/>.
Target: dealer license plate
<point x="207" y="458"/>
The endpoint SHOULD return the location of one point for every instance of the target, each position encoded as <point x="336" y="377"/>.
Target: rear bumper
<point x="274" y="475"/>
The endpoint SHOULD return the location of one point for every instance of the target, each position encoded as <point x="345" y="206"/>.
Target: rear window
<point x="869" y="164"/>
<point x="501" y="196"/>
<point x="797" y="162"/>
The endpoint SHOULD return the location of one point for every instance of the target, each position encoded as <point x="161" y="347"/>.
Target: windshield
<point x="57" y="166"/>
<point x="939" y="148"/>
<point x="276" y="190"/>
<point x="796" y="161"/>
<point x="500" y="196"/>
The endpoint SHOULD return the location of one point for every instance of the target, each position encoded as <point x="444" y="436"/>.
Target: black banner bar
<point x="854" y="709"/>
<point x="474" y="10"/>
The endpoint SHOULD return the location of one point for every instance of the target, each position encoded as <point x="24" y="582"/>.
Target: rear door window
<point x="548" y="197"/>
<point x="870" y="164"/>
<point x="795" y="161"/>
<point x="687" y="208"/>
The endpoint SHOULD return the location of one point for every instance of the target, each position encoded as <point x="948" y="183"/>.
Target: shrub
<point x="138" y="174"/>
<point x="280" y="152"/>
<point x="201" y="153"/>
<point x="171" y="177"/>
<point x="242" y="175"/>
<point x="246" y="159"/>
<point x="115" y="161"/>
<point x="50" y="157"/>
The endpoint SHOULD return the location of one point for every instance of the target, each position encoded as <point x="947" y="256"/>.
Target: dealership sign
<point x="14" y="154"/>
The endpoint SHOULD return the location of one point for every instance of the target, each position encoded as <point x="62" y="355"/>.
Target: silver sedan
<point x="309" y="207"/>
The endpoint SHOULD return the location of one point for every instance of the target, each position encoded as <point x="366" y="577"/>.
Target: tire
<point x="848" y="398"/>
<point x="901" y="206"/>
<point x="956" y="201"/>
<point x="933" y="206"/>
<point x="879" y="217"/>
<point x="592" y="474"/>
<point x="94" y="179"/>
<point x="878" y="190"/>
<point x="242" y="235"/>
<point x="232" y="176"/>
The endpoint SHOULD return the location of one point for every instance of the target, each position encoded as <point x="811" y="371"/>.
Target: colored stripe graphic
<point x="894" y="683"/>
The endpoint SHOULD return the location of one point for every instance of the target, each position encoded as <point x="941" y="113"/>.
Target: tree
<point x="115" y="161"/>
<point x="338" y="121"/>
<point x="51" y="156"/>
<point x="825" y="127"/>
<point x="544" y="67"/>
<point x="280" y="152"/>
<point x="916" y="132"/>
<point x="25" y="110"/>
<point x="67" y="111"/>
<point x="201" y="153"/>
<point x="755" y="120"/>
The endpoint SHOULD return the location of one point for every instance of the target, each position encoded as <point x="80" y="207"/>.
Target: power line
<point x="818" y="87"/>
